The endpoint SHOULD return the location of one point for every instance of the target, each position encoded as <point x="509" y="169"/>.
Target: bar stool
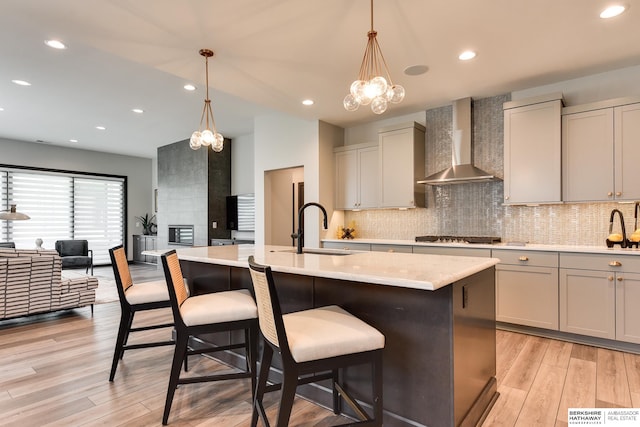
<point x="134" y="298"/>
<point x="203" y="314"/>
<point x="314" y="344"/>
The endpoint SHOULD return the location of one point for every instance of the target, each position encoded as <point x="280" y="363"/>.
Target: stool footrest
<point x="147" y="345"/>
<point x="148" y="328"/>
<point x="220" y="377"/>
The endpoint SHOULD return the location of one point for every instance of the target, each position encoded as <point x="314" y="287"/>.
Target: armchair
<point x="75" y="254"/>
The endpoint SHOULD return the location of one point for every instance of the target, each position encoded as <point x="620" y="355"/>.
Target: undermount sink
<point x="319" y="251"/>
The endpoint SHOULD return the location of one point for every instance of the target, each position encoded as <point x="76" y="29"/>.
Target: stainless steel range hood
<point x="462" y="170"/>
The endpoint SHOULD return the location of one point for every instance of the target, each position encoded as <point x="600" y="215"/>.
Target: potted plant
<point x="147" y="223"/>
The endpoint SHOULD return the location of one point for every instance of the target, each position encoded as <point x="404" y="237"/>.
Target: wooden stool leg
<point x="337" y="401"/>
<point x="178" y="357"/>
<point x="265" y="365"/>
<point x="289" y="385"/>
<point x="376" y="379"/>
<point x="117" y="353"/>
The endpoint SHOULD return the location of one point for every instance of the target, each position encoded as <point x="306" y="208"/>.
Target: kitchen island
<point x="437" y="314"/>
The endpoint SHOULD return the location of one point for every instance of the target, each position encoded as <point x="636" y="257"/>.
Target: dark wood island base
<point x="440" y="352"/>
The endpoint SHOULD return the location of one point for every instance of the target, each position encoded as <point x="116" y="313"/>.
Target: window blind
<point x="64" y="206"/>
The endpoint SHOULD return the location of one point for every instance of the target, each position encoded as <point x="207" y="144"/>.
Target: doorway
<point x="283" y="196"/>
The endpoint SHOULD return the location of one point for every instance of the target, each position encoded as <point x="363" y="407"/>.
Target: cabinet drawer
<point x="347" y="245"/>
<point x="598" y="262"/>
<point x="520" y="257"/>
<point x="392" y="248"/>
<point x="447" y="250"/>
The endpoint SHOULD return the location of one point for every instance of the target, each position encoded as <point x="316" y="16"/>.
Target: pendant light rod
<point x="209" y="136"/>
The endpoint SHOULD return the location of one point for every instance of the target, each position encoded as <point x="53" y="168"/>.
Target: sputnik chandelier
<point x="371" y="87"/>
<point x="209" y="136"/>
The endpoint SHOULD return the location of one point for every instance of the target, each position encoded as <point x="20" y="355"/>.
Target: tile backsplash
<point x="476" y="209"/>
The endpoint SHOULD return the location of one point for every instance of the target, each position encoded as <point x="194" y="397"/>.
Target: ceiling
<point x="272" y="54"/>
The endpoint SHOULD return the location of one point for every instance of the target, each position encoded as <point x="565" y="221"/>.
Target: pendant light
<point x="209" y="136"/>
<point x="12" y="215"/>
<point x="372" y="87"/>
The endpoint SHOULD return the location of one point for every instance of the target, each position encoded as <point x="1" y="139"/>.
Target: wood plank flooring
<point x="54" y="371"/>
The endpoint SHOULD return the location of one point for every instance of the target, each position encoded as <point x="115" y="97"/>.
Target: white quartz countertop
<point x="528" y="247"/>
<point x="418" y="271"/>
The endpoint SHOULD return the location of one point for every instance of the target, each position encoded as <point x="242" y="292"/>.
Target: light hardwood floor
<point x="54" y="372"/>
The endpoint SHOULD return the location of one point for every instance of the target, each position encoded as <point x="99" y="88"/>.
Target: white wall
<point x="368" y="132"/>
<point x="138" y="171"/>
<point x="242" y="165"/>
<point x="597" y="87"/>
<point x="282" y="141"/>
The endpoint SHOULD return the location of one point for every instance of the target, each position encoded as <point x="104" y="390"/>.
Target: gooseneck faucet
<point x="300" y="234"/>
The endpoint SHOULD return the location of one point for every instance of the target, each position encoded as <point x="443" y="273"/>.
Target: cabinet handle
<point x="620" y="278"/>
<point x="610" y="278"/>
<point x="506" y="197"/>
<point x="609" y="194"/>
<point x="523" y="258"/>
<point x="618" y="193"/>
<point x="615" y="264"/>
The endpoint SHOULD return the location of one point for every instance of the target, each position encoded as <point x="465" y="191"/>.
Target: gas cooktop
<point x="459" y="239"/>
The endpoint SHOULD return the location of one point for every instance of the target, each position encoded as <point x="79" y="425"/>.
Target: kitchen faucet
<point x="300" y="234"/>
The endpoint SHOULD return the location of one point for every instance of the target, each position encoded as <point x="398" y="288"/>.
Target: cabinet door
<point x="346" y="179"/>
<point x="138" y="247"/>
<point x="627" y="152"/>
<point x="627" y="303"/>
<point x="401" y="161"/>
<point x="368" y="178"/>
<point x="150" y="245"/>
<point x="587" y="156"/>
<point x="532" y="149"/>
<point x="527" y="295"/>
<point x="587" y="303"/>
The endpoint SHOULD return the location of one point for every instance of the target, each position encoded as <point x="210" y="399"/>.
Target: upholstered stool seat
<point x="314" y="345"/>
<point x="328" y="332"/>
<point x="147" y="292"/>
<point x="218" y="307"/>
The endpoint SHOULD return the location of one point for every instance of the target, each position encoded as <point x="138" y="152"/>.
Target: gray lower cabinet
<point x="627" y="313"/>
<point x="599" y="296"/>
<point x="144" y="243"/>
<point x="527" y="288"/>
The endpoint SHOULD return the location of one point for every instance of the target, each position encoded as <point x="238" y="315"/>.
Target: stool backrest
<point x="269" y="312"/>
<point x="120" y="270"/>
<point x="175" y="283"/>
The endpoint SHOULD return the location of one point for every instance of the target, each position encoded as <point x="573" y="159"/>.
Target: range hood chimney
<point x="462" y="170"/>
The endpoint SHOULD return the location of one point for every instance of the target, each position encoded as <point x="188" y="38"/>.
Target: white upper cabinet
<point x="401" y="165"/>
<point x="532" y="150"/>
<point x="357" y="177"/>
<point x="600" y="151"/>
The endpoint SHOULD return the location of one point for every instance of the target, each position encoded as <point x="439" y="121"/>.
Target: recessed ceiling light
<point x="101" y="128"/>
<point x="612" y="11"/>
<point x="21" y="82"/>
<point x="1" y="109"/>
<point x="467" y="55"/>
<point x="56" y="44"/>
<point x="416" y="70"/>
<point x="189" y="87"/>
<point x="73" y="140"/>
<point x="138" y="110"/>
<point x="307" y="102"/>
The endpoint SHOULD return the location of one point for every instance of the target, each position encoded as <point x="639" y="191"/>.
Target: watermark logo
<point x="603" y="416"/>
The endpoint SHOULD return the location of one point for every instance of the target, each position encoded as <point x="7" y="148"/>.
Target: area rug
<point x="106" y="291"/>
